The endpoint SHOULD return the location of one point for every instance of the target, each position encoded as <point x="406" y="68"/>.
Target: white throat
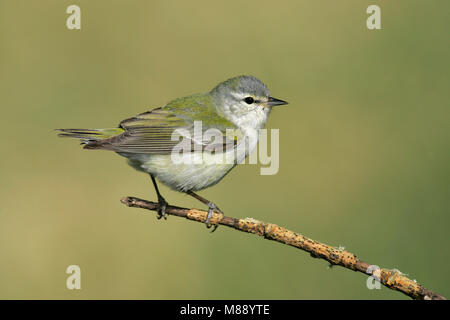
<point x="250" y="124"/>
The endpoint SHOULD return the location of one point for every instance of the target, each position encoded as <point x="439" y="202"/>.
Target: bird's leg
<point x="211" y="206"/>
<point x="161" y="201"/>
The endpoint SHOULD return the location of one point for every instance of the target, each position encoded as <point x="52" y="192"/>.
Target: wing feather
<point x="158" y="131"/>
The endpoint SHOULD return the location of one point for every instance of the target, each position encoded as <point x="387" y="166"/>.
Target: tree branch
<point x="392" y="279"/>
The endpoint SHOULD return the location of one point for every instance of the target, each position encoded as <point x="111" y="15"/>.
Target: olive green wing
<point x="158" y="131"/>
<point x="149" y="132"/>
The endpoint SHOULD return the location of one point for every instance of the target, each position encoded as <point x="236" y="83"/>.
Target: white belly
<point x="193" y="171"/>
<point x="186" y="176"/>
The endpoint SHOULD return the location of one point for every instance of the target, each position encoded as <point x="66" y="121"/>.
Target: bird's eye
<point x="249" y="100"/>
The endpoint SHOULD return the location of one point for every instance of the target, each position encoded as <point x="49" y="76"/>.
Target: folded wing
<point x="158" y="131"/>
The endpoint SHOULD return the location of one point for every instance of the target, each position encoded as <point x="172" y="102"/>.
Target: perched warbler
<point x="236" y="109"/>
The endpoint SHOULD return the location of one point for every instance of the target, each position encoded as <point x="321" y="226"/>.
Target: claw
<point x="212" y="207"/>
<point x="162" y="208"/>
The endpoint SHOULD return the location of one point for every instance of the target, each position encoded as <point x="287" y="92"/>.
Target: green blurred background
<point x="364" y="154"/>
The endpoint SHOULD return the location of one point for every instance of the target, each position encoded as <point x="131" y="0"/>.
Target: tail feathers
<point x="90" y="138"/>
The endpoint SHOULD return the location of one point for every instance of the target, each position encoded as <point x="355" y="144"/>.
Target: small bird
<point x="235" y="110"/>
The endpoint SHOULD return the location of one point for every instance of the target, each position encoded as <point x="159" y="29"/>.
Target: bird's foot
<point x="162" y="205"/>
<point x="212" y="207"/>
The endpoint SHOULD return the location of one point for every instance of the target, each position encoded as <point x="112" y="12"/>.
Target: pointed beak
<point x="272" y="102"/>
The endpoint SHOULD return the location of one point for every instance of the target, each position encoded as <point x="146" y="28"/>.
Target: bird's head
<point x="245" y="101"/>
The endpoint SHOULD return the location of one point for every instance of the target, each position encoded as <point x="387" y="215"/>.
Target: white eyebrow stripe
<point x="239" y="95"/>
